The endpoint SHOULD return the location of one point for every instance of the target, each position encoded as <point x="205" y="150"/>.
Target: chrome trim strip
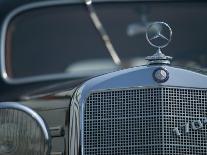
<point x="35" y="116"/>
<point x="74" y="125"/>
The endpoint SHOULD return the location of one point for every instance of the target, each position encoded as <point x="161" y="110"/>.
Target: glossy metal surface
<point x="153" y="34"/>
<point x="35" y="116"/>
<point x="74" y="125"/>
<point x="137" y="77"/>
<point x="55" y="112"/>
<point x="160" y="75"/>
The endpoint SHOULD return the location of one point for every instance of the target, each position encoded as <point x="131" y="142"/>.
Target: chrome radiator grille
<point x="141" y="121"/>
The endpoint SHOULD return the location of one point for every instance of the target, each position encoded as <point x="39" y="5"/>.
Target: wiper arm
<point x="99" y="26"/>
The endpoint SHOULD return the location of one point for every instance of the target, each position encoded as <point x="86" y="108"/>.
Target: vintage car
<point x="75" y="80"/>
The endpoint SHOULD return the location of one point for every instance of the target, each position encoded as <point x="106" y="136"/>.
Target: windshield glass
<point x="63" y="39"/>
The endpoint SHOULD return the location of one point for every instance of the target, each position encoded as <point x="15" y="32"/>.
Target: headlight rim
<point x="36" y="117"/>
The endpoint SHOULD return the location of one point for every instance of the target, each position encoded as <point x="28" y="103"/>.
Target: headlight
<point x="22" y="131"/>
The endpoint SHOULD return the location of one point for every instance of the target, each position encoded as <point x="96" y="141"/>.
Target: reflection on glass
<point x="62" y="39"/>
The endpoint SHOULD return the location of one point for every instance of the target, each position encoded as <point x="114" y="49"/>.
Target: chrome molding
<point x="132" y="78"/>
<point x="74" y="125"/>
<point x="35" y="116"/>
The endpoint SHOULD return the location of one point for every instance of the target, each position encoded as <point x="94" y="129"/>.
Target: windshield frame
<point x="37" y="5"/>
<point x="4" y="74"/>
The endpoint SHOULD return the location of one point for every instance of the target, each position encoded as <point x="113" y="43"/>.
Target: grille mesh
<point x="141" y="121"/>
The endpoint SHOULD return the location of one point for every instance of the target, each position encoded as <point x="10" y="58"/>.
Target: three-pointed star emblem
<point x="159" y="34"/>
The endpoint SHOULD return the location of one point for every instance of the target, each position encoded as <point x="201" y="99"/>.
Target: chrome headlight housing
<point x="22" y="131"/>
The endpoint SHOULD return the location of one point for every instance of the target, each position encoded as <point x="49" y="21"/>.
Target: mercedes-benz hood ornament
<point x="159" y="35"/>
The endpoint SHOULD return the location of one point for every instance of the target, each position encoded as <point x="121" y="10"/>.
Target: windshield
<point x="63" y="39"/>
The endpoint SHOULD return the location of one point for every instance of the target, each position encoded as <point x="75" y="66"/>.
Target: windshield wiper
<point x="99" y="26"/>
